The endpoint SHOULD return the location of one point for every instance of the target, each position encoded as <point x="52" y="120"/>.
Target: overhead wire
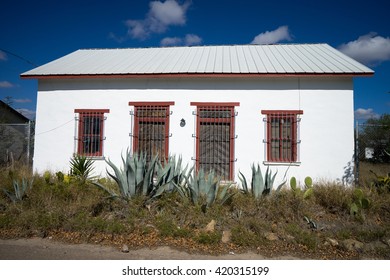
<point x="20" y="57"/>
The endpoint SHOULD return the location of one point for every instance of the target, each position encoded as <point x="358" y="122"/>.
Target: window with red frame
<point x="151" y="128"/>
<point x="215" y="138"/>
<point x="90" y="132"/>
<point x="282" y="135"/>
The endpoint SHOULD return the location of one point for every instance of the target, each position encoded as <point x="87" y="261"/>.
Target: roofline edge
<point x="194" y="75"/>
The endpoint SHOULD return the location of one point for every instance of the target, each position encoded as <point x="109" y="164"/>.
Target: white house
<point x="289" y="107"/>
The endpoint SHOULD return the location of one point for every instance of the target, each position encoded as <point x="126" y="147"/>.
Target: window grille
<point x="282" y="135"/>
<point x="90" y="134"/>
<point x="215" y="138"/>
<point x="151" y="129"/>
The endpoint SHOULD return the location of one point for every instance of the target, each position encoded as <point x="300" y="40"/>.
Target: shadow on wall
<point x="348" y="178"/>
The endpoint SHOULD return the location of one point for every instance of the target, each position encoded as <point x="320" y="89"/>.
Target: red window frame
<point x="85" y="147"/>
<point x="210" y="106"/>
<point x="151" y="119"/>
<point x="282" y="143"/>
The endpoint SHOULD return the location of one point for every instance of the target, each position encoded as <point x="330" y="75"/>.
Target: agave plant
<point x="260" y="185"/>
<point x="81" y="167"/>
<point x="171" y="173"/>
<point x="202" y="187"/>
<point x="19" y="190"/>
<point x="137" y="177"/>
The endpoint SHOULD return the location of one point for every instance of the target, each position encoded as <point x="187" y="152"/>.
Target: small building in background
<point x="16" y="140"/>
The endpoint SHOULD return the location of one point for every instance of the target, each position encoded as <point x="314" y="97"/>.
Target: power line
<point x="50" y="130"/>
<point x="20" y="57"/>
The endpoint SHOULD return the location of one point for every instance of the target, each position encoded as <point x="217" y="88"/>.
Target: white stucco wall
<point x="326" y="128"/>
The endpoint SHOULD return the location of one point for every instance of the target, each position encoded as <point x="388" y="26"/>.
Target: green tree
<point x="375" y="135"/>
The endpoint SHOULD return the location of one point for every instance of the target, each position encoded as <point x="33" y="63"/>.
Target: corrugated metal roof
<point x="291" y="59"/>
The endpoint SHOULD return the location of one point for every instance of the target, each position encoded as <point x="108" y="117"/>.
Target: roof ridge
<point x="203" y="46"/>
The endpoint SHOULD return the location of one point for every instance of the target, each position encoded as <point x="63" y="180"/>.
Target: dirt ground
<point x="47" y="249"/>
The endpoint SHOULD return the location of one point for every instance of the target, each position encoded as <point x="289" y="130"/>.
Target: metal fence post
<point x="28" y="142"/>
<point x="357" y="154"/>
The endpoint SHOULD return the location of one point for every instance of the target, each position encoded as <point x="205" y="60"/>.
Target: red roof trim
<point x="190" y="75"/>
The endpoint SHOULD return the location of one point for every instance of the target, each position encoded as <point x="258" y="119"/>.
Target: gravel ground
<point x="47" y="249"/>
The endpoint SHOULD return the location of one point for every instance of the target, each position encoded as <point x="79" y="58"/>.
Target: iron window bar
<point x="150" y="128"/>
<point x="89" y="131"/>
<point x="215" y="136"/>
<point x="282" y="135"/>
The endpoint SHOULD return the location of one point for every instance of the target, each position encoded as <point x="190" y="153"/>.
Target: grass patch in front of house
<point x="78" y="211"/>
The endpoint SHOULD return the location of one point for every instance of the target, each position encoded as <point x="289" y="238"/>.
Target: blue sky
<point x="36" y="32"/>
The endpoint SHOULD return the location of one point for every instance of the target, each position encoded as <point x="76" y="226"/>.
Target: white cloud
<point x="369" y="49"/>
<point x="3" y="55"/>
<point x="365" y="114"/>
<point x="192" y="40"/>
<point x="171" y="41"/>
<point x="5" y="84"/>
<point x="188" y="40"/>
<point x="272" y="37"/>
<point x="26" y="100"/>
<point x="161" y="15"/>
<point x="137" y="29"/>
<point x="168" y="13"/>
<point x="30" y="114"/>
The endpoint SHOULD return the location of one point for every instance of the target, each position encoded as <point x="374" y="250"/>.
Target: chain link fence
<point x="16" y="143"/>
<point x="372" y="151"/>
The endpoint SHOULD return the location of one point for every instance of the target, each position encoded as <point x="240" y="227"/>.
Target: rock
<point x="210" y="226"/>
<point x="332" y="242"/>
<point x="125" y="249"/>
<point x="226" y="236"/>
<point x="271" y="236"/>
<point x="289" y="237"/>
<point x="352" y="245"/>
<point x="109" y="217"/>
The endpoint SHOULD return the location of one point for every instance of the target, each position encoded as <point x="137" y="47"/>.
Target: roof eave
<point x="192" y="75"/>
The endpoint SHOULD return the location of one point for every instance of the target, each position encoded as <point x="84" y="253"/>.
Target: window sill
<point x="277" y="163"/>
<point x="96" y="157"/>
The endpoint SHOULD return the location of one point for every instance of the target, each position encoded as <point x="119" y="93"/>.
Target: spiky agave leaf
<point x="119" y="177"/>
<point x="111" y="192"/>
<point x="223" y="195"/>
<point x="211" y="194"/>
<point x="244" y="183"/>
<point x="257" y="181"/>
<point x="19" y="190"/>
<point x="193" y="186"/>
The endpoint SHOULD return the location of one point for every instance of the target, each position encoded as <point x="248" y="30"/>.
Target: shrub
<point x="81" y="167"/>
<point x="208" y="238"/>
<point x="167" y="227"/>
<point x="242" y="236"/>
<point x="381" y="183"/>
